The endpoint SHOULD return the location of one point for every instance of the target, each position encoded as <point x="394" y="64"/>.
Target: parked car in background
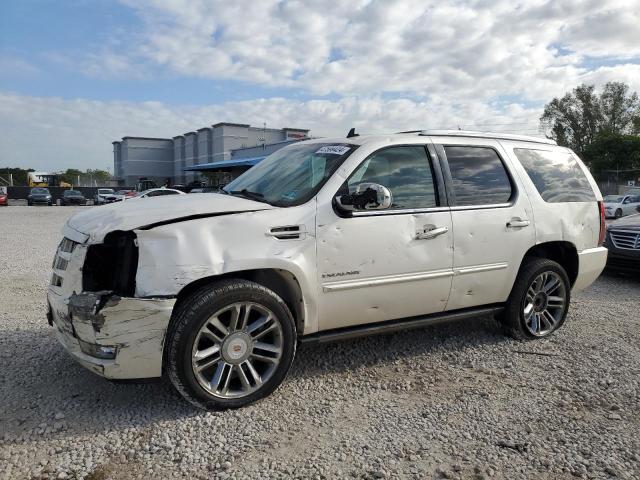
<point x="623" y="242"/>
<point x="195" y="184"/>
<point x="119" y="196"/>
<point x="73" y="197"/>
<point x="101" y="194"/>
<point x="205" y="190"/>
<point x="39" y="196"/>
<point x="616" y="206"/>
<point x="4" y="196"/>
<point x="156" y="192"/>
<point x="324" y="240"/>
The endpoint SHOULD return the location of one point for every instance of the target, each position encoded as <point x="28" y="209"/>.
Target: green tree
<point x="610" y="152"/>
<point x="71" y="176"/>
<point x="19" y="176"/>
<point x="101" y="177"/>
<point x="580" y="116"/>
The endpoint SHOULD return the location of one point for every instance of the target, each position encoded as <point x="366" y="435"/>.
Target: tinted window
<point x="478" y="176"/>
<point x="405" y="171"/>
<point x="556" y="175"/>
<point x="293" y="174"/>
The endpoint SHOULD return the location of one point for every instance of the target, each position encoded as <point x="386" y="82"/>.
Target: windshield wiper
<point x="255" y="196"/>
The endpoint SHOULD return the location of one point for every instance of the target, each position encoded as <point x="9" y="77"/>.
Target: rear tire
<point x="539" y="301"/>
<point x="229" y="344"/>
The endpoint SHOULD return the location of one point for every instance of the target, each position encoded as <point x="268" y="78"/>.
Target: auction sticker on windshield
<point x="333" y="149"/>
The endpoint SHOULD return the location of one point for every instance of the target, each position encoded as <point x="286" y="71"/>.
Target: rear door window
<point x="556" y="175"/>
<point x="478" y="176"/>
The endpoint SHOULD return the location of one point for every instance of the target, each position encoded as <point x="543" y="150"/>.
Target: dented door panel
<point x="374" y="268"/>
<point x="489" y="240"/>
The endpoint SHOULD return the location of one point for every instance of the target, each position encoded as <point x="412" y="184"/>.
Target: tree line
<point x="72" y="176"/>
<point x="602" y="128"/>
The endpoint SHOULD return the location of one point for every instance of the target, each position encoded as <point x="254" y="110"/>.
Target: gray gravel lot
<point x="454" y="401"/>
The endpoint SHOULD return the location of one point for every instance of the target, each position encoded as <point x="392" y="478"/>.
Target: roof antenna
<point x="352" y="133"/>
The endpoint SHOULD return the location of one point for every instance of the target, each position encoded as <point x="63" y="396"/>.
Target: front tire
<point x="229" y="344"/>
<point x="618" y="213"/>
<point x="539" y="301"/>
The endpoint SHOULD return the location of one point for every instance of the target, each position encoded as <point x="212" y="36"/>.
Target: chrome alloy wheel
<point x="237" y="350"/>
<point x="544" y="304"/>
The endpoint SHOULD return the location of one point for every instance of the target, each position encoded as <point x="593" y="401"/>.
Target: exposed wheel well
<point x="282" y="282"/>
<point x="564" y="253"/>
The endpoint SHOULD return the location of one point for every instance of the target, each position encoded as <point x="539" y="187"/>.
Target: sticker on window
<point x="333" y="149"/>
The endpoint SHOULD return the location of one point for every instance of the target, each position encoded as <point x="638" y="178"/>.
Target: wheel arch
<point x="562" y="252"/>
<point x="282" y="282"/>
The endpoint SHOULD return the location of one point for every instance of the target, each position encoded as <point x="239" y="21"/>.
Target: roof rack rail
<point x="476" y="134"/>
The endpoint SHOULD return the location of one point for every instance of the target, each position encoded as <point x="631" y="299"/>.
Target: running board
<point x="390" y="326"/>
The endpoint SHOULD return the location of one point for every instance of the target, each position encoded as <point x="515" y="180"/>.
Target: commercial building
<point x="171" y="159"/>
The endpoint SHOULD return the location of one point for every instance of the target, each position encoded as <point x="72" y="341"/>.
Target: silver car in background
<point x="616" y="206"/>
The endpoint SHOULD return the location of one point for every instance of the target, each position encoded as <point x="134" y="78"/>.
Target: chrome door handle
<point x="429" y="233"/>
<point x="518" y="223"/>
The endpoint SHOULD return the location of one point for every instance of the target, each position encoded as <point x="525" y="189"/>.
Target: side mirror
<point x="368" y="196"/>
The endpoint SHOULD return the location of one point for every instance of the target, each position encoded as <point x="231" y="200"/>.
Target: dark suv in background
<point x="623" y="242"/>
<point x="39" y="196"/>
<point x="73" y="197"/>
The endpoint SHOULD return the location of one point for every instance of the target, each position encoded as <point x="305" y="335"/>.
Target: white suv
<point x="325" y="240"/>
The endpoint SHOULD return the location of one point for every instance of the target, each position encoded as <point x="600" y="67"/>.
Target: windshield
<point x="72" y="193"/>
<point x="612" y="199"/>
<point x="122" y="192"/>
<point x="40" y="190"/>
<point x="292" y="175"/>
<point x="105" y="190"/>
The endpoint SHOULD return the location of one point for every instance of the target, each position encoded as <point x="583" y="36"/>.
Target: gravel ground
<point x="454" y="401"/>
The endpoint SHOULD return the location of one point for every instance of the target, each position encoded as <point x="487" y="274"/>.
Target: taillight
<point x="603" y="228"/>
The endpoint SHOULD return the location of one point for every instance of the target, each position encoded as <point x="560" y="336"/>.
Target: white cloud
<point x="16" y="67"/>
<point x="389" y="65"/>
<point x="468" y="49"/>
<point x="49" y="133"/>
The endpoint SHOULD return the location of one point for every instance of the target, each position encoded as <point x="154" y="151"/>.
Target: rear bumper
<point x="135" y="326"/>
<point x="591" y="263"/>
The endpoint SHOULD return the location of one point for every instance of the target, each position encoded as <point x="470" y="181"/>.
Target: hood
<point x="631" y="221"/>
<point x="97" y="222"/>
<point x="610" y="204"/>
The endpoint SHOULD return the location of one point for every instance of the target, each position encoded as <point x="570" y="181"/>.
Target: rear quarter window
<point x="556" y="175"/>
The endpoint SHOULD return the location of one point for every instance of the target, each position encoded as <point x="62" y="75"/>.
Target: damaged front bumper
<point x="130" y="330"/>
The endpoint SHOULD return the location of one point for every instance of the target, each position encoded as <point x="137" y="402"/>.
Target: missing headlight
<point x="112" y="265"/>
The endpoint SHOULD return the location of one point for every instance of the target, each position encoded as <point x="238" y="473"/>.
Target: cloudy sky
<point x="78" y="74"/>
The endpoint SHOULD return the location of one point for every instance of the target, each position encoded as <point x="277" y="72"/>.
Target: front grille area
<point x="626" y="239"/>
<point x="60" y="263"/>
<point x="67" y="245"/>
